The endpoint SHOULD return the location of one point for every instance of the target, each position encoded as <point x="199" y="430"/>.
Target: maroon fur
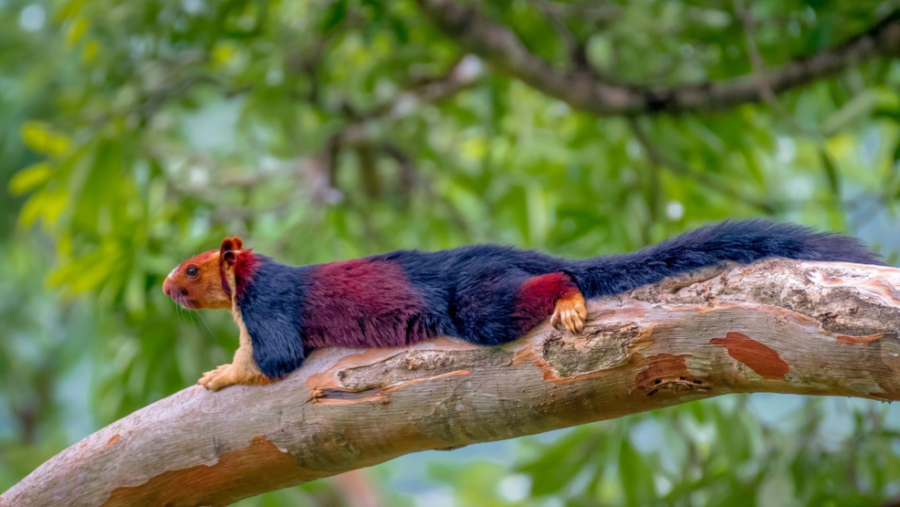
<point x="226" y="287"/>
<point x="245" y="266"/>
<point x="361" y="303"/>
<point x="538" y="296"/>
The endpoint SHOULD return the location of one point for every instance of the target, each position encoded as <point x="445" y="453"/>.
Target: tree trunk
<point x="773" y="326"/>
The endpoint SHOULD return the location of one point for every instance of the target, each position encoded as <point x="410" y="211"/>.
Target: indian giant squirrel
<point x="484" y="294"/>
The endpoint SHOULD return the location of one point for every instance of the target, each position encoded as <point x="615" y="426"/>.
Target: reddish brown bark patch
<point x="114" y="439"/>
<point x="254" y="469"/>
<point x="759" y="357"/>
<point x="667" y="373"/>
<point x="852" y="340"/>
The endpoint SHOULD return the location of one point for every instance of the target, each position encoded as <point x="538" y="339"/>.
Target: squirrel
<point x="483" y="294"/>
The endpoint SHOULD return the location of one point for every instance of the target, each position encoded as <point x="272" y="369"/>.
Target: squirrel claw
<point x="571" y="313"/>
<point x="217" y="379"/>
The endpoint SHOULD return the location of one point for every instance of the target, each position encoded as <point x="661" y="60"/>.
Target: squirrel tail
<point x="742" y="241"/>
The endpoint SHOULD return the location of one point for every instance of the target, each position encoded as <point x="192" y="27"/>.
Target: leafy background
<point x="135" y="134"/>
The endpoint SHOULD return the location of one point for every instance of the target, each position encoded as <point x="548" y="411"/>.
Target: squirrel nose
<point x="167" y="287"/>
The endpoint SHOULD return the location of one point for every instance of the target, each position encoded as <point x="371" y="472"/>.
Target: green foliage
<point x="716" y="453"/>
<point x="135" y="134"/>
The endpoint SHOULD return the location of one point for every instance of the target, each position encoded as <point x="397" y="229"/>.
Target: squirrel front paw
<point x="232" y="374"/>
<point x="223" y="376"/>
<point x="570" y="312"/>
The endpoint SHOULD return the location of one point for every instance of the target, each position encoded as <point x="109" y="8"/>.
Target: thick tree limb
<point x="774" y="326"/>
<point x="586" y="91"/>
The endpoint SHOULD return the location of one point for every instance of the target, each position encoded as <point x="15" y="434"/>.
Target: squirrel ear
<point x="226" y="251"/>
<point x="227" y="244"/>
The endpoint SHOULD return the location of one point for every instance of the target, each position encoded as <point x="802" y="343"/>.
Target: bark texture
<point x="773" y="326"/>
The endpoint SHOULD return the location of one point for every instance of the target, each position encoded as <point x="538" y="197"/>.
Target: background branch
<point x="774" y="326"/>
<point x="581" y="89"/>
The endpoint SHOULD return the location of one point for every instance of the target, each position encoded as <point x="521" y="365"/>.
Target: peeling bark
<point x="773" y="326"/>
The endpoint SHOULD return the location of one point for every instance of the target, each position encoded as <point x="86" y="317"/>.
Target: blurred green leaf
<point x="636" y="475"/>
<point x="41" y="138"/>
<point x="831" y="172"/>
<point x="30" y="178"/>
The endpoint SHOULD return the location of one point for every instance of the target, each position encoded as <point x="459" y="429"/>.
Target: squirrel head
<point x="208" y="280"/>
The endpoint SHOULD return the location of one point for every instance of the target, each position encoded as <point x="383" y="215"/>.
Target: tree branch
<point x="773" y="326"/>
<point x="582" y="90"/>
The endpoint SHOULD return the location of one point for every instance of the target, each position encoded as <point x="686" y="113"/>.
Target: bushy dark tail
<point x="742" y="241"/>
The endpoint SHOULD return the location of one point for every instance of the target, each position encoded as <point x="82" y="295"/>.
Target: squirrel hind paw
<point x="571" y="313"/>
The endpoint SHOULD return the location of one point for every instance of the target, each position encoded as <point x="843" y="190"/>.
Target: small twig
<point x="657" y="158"/>
<point x="592" y="10"/>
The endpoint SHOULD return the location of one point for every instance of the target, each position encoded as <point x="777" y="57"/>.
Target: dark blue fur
<point x="471" y="292"/>
<point x="731" y="241"/>
<point x="475" y="287"/>
<point x="271" y="309"/>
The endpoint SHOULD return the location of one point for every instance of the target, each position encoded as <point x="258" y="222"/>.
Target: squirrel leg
<point x="216" y="379"/>
<point x="570" y="312"/>
<point x="242" y="370"/>
<point x="553" y="292"/>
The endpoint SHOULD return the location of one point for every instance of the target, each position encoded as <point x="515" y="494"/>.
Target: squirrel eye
<point x="192" y="271"/>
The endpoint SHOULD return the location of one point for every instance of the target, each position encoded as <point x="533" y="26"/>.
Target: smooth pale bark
<point x="774" y="326"/>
